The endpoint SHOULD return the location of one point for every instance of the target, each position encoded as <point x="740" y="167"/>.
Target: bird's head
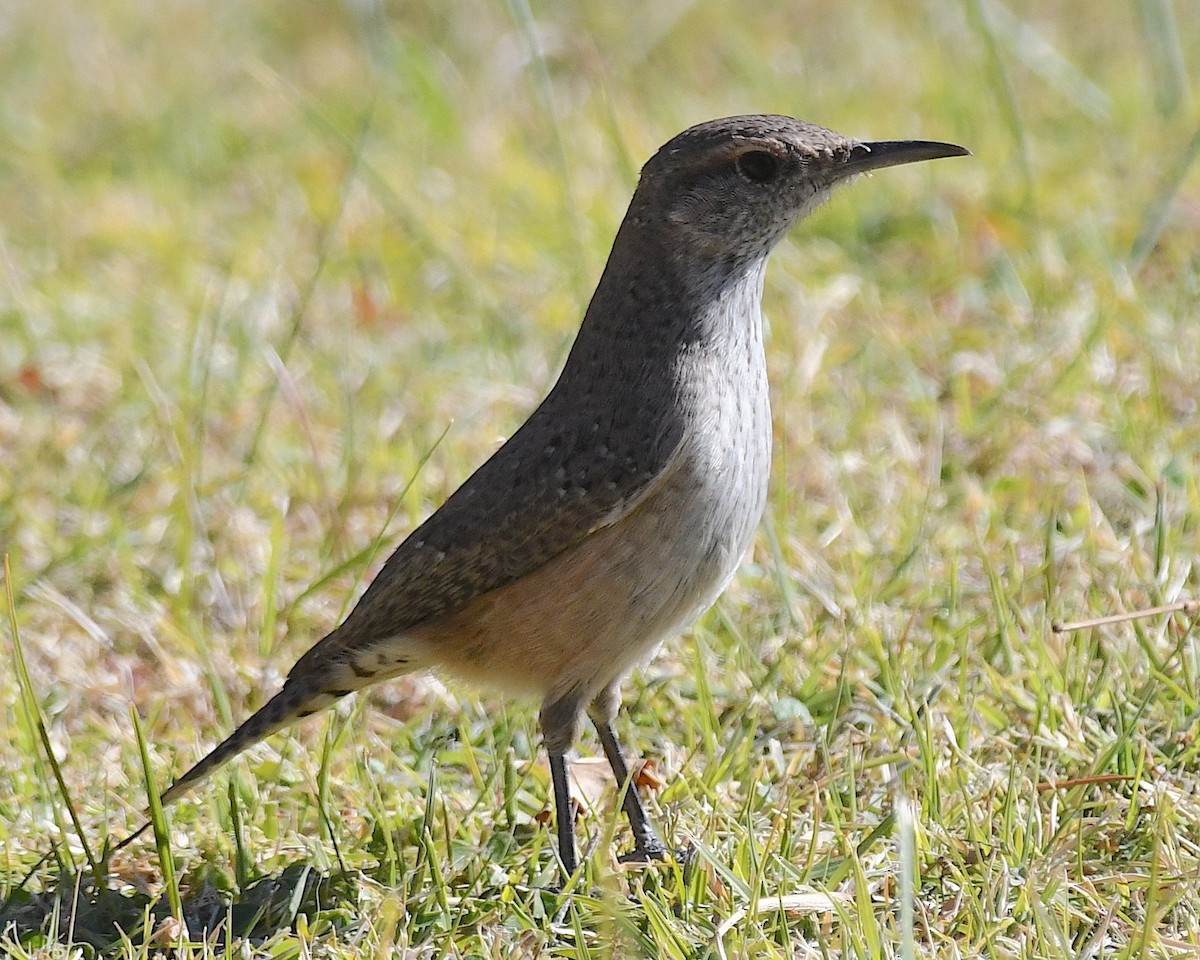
<point x="733" y="187"/>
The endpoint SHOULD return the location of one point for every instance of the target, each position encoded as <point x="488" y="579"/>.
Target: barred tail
<point x="300" y="697"/>
<point x="318" y="680"/>
<point x="294" y="702"/>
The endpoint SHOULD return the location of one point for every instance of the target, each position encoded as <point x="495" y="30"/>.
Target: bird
<point x="621" y="509"/>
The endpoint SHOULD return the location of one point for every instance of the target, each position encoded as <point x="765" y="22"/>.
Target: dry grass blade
<point x="1188" y="607"/>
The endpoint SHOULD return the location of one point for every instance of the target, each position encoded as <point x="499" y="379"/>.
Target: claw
<point x="654" y="850"/>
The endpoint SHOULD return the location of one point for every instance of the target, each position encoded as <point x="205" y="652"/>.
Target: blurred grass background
<point x="274" y="278"/>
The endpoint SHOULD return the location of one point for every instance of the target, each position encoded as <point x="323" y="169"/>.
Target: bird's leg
<point x="564" y="813"/>
<point x="560" y="727"/>
<point x="646" y="843"/>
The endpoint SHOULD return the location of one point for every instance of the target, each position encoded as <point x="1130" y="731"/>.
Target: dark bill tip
<point x="876" y="155"/>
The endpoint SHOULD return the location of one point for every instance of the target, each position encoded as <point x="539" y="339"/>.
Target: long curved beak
<point x="875" y="155"/>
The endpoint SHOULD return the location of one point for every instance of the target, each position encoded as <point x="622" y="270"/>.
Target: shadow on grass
<point x="74" y="909"/>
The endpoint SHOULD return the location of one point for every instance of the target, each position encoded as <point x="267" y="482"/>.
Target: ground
<point x="274" y="278"/>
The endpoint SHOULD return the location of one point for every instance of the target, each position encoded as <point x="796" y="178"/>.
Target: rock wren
<point x="621" y="508"/>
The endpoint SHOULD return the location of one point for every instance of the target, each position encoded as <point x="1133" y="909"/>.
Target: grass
<point x="277" y="277"/>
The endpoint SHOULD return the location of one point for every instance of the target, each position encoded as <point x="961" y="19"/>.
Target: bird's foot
<point x="653" y="850"/>
<point x="645" y="852"/>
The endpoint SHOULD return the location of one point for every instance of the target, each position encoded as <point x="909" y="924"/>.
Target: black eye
<point x="758" y="166"/>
